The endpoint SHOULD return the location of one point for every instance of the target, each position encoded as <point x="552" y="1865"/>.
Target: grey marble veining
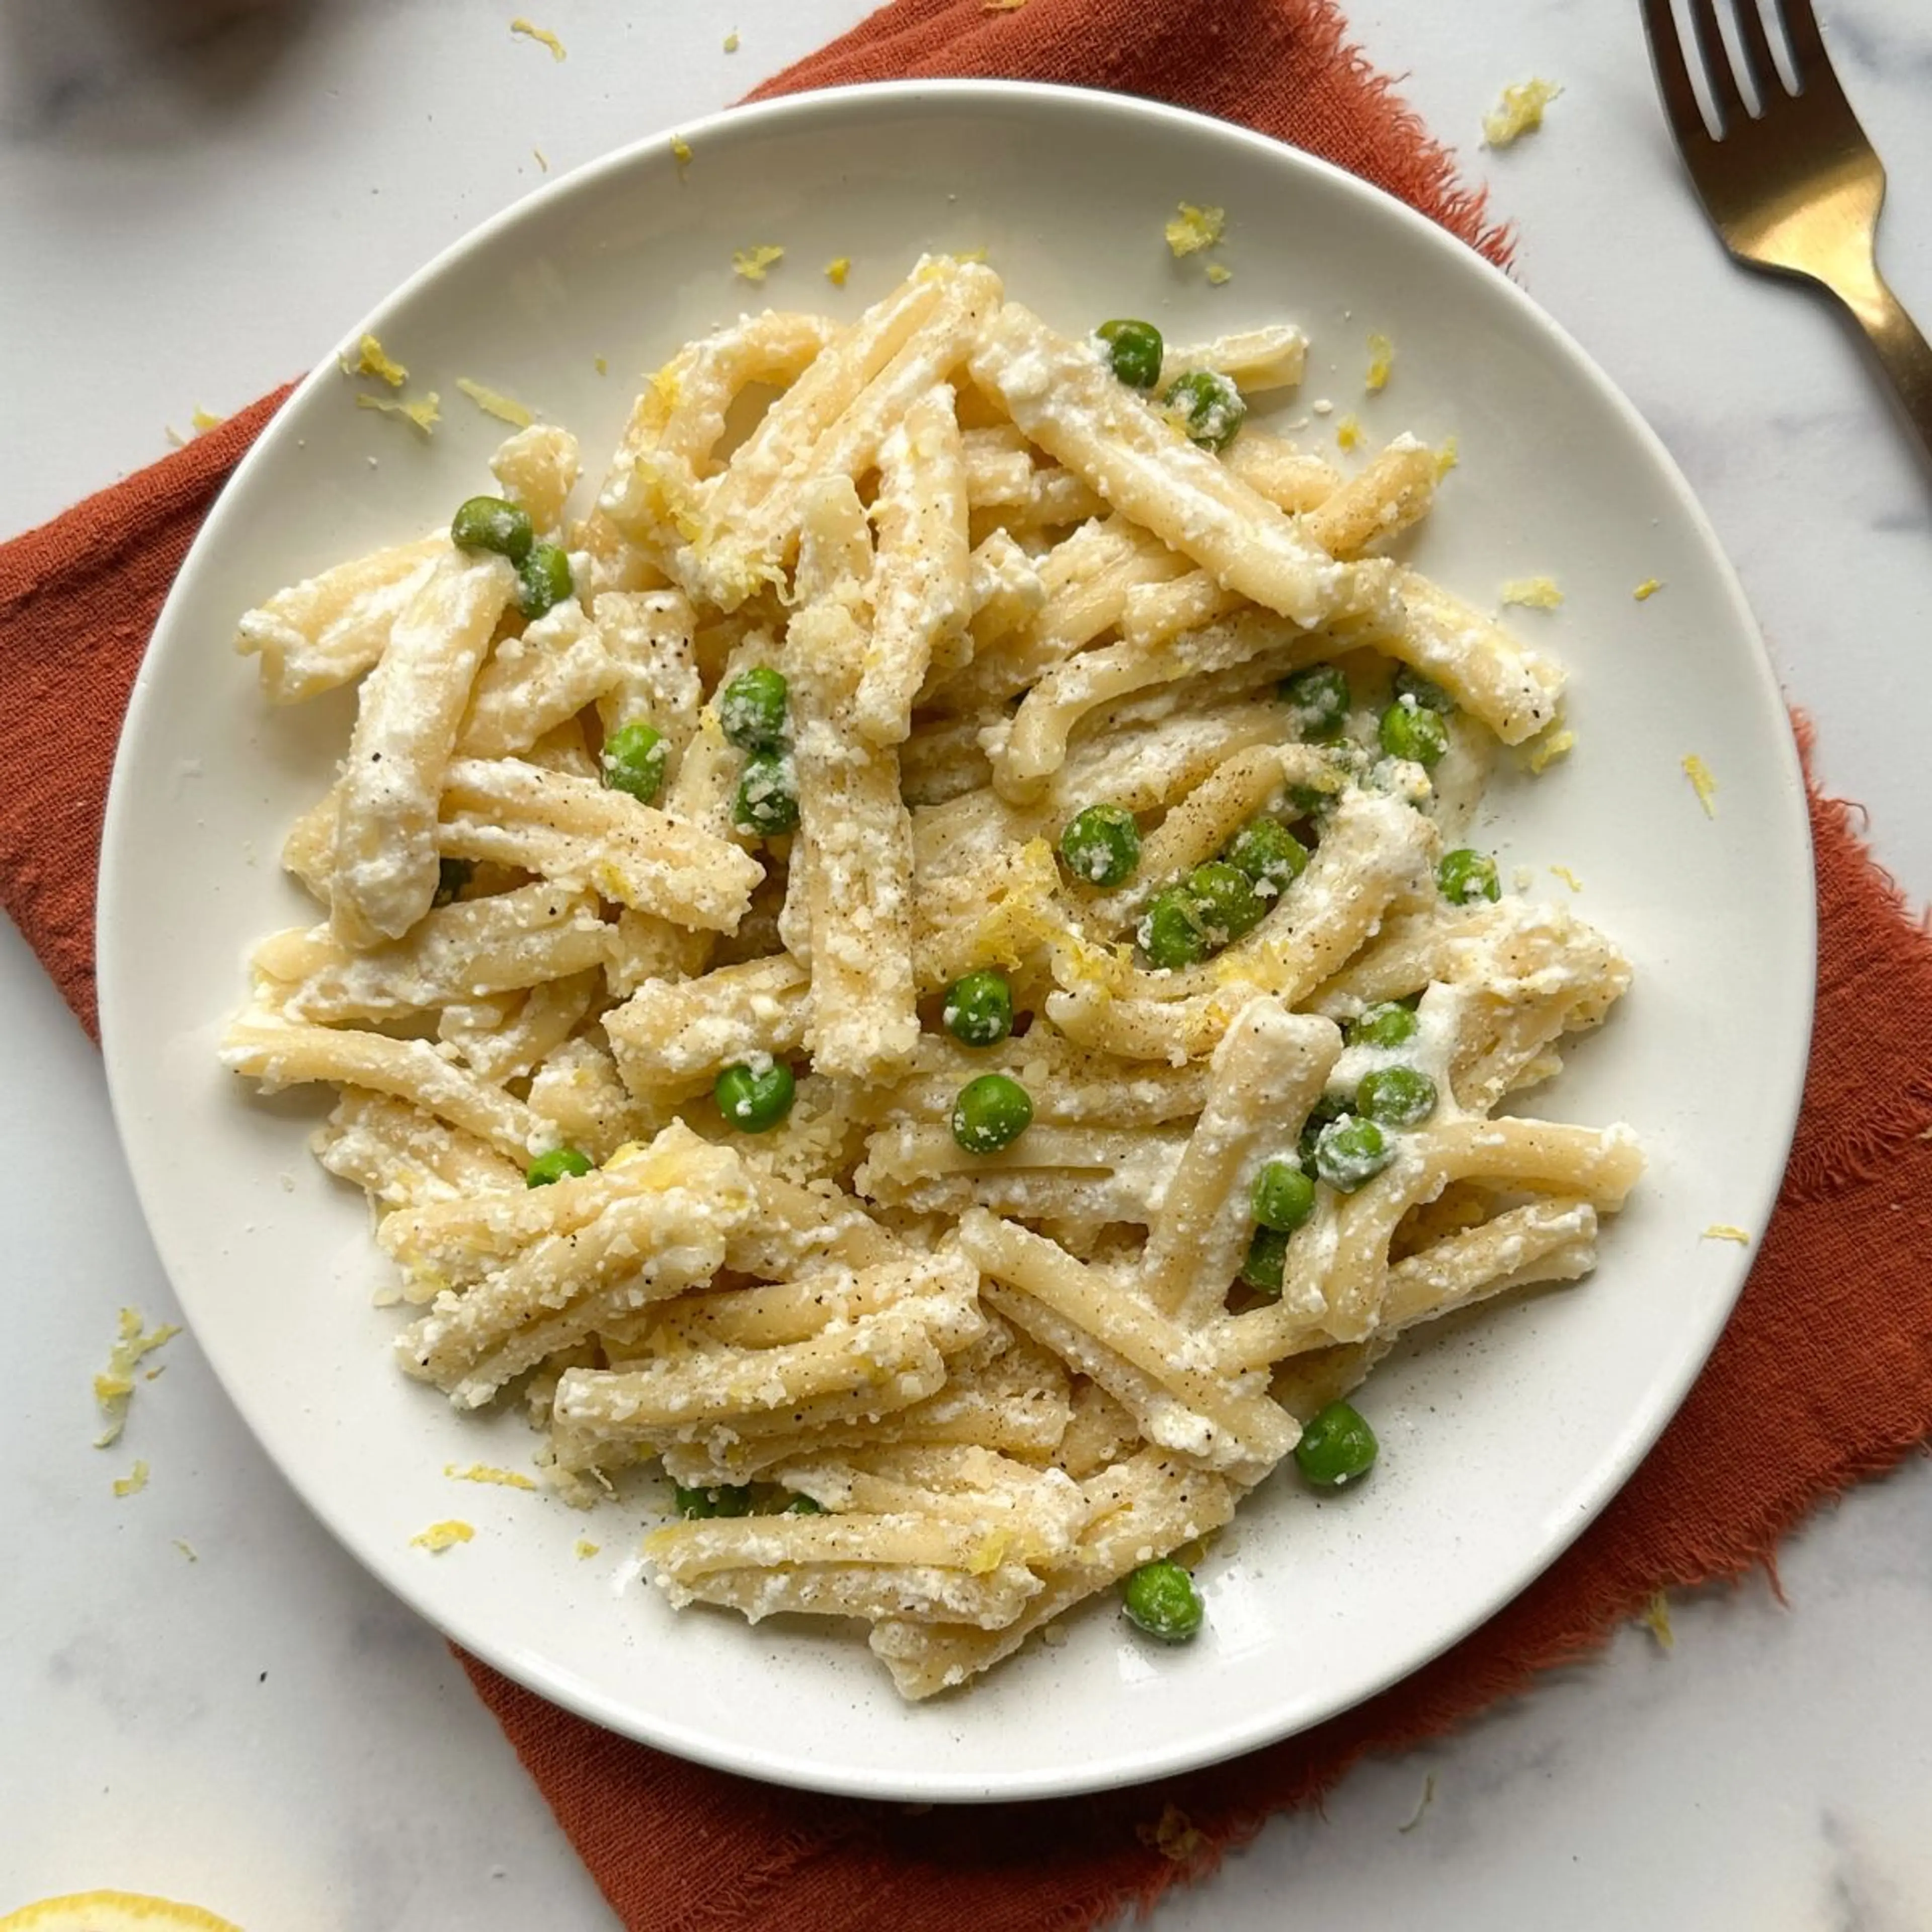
<point x="224" y="186"/>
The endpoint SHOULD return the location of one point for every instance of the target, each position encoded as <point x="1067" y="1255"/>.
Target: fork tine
<point x="1807" y="43"/>
<point x="1726" y="94"/>
<point x="1673" y="77"/>
<point x="1757" y="51"/>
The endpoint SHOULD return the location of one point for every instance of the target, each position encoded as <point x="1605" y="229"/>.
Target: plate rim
<point x="1618" y="1461"/>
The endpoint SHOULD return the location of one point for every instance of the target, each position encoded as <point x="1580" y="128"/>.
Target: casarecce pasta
<point x="919" y="970"/>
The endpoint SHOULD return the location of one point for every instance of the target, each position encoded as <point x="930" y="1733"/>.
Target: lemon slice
<point x="112" y="1912"/>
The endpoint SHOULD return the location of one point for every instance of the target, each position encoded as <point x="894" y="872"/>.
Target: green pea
<point x="1329" y="1108"/>
<point x="1389" y="1023"/>
<point x="634" y="761"/>
<point x="751" y="709"/>
<point x="1395" y="1097"/>
<point x="802" y="1506"/>
<point x="767" y="798"/>
<point x="1336" y="1447"/>
<point x="554" y="1166"/>
<point x="754" y="1099"/>
<point x="1409" y="731"/>
<point x="490" y="522"/>
<point x="451" y="876"/>
<point x="992" y="1112"/>
<point x="1209" y="406"/>
<point x="1160" y="1599"/>
<point x="1171" y="933"/>
<point x="1284" y="1196"/>
<point x="1318" y="700"/>
<point x="544" y="579"/>
<point x="1102" y="845"/>
<point x="1269" y="854"/>
<point x="978" y="1010"/>
<point x="1225" y="901"/>
<point x="1431" y="697"/>
<point x="1350" y="1152"/>
<point x="727" y="1499"/>
<point x="1266" y="1263"/>
<point x="1463" y="877"/>
<point x="1135" y="349"/>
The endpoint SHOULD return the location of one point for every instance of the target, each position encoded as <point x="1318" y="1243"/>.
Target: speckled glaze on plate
<point x="1502" y="1436"/>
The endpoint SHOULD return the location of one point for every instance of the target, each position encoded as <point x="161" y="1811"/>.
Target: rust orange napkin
<point x="1824" y="1375"/>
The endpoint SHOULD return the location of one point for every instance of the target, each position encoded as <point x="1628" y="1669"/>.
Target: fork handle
<point x="1903" y="352"/>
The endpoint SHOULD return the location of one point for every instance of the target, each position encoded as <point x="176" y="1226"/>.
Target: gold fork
<point x="1794" y="187"/>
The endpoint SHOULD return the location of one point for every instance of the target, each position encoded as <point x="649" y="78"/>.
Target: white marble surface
<point x="195" y="198"/>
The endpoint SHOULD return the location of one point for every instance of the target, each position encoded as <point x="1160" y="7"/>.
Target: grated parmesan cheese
<point x="1191" y="229"/>
<point x="441" y="1536"/>
<point x="1520" y="111"/>
<point x="1534" y="593"/>
<point x="1554" y="744"/>
<point x="492" y="404"/>
<point x="753" y="264"/>
<point x="1219" y="272"/>
<point x="541" y="35"/>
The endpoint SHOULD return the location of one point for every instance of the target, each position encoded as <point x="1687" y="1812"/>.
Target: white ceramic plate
<point x="1502" y="1438"/>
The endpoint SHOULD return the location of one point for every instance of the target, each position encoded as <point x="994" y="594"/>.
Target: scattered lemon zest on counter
<point x="541" y="35"/>
<point x="598" y="363"/>
<point x="1520" y="111"/>
<point x="1725" y="1231"/>
<point x="1534" y="593"/>
<point x="114" y="1386"/>
<point x="1447" y="456"/>
<point x="1219" y="272"/>
<point x="1655" y="1618"/>
<point x="186" y="1548"/>
<point x="1190" y="229"/>
<point x="753" y="264"/>
<point x="1648" y="589"/>
<point x="134" y="1481"/>
<point x="1381" y="361"/>
<point x="680" y="151"/>
<point x="1175" y="1836"/>
<point x="205" y="420"/>
<point x="1422" y="1803"/>
<point x="1558" y="741"/>
<point x="425" y="413"/>
<point x="1568" y="877"/>
<point x="441" y="1536"/>
<point x="1702" y="783"/>
<point x="1347" y="433"/>
<point x="543" y="160"/>
<point x="482" y="1472"/>
<point x="505" y="408"/>
<point x="585" y="1549"/>
<point x="837" y="269"/>
<point x="372" y="359"/>
<point x="731" y="41"/>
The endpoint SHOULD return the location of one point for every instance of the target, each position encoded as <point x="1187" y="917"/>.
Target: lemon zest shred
<point x="1568" y="877"/>
<point x="680" y="152"/>
<point x="1381" y="362"/>
<point x="1447" y="456"/>
<point x="1726" y="1231"/>
<point x="541" y="35"/>
<point x="1655" y="1618"/>
<point x="1702" y="783"/>
<point x="441" y="1536"/>
<point x="505" y="408"/>
<point x="1534" y="593"/>
<point x="174" y="435"/>
<point x="482" y="1472"/>
<point x="753" y="265"/>
<point x="134" y="1481"/>
<point x="731" y="41"/>
<point x="114" y="1386"/>
<point x="989" y="1553"/>
<point x="1518" y="112"/>
<point x="543" y="160"/>
<point x="1648" y="589"/>
<point x="372" y="359"/>
<point x="1219" y="272"/>
<point x="585" y="1549"/>
<point x="1558" y="741"/>
<point x="1174" y="1835"/>
<point x="424" y="414"/>
<point x="1191" y="229"/>
<point x="1349" y="433"/>
<point x="837" y="269"/>
<point x="186" y="1548"/>
<point x="205" y="420"/>
<point x="598" y="363"/>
